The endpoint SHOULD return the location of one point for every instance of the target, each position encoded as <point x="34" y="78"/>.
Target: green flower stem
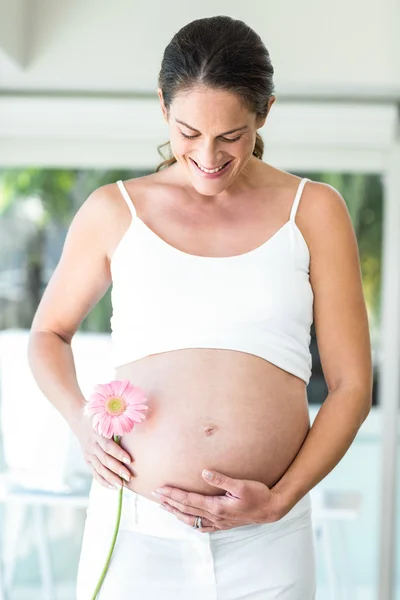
<point x="114" y="539"/>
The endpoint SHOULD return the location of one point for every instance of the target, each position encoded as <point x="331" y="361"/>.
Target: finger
<point x="235" y="487"/>
<point x="112" y="463"/>
<point x="207" y="524"/>
<point x="99" y="478"/>
<point x="105" y="473"/>
<point x="207" y="504"/>
<point x="189" y="519"/>
<point x="192" y="510"/>
<point x="114" y="449"/>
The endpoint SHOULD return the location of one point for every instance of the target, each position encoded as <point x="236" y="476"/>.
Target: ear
<point x="164" y="110"/>
<point x="261" y="122"/>
<point x="270" y="103"/>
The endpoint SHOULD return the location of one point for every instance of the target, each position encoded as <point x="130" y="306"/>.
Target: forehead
<point x="205" y="106"/>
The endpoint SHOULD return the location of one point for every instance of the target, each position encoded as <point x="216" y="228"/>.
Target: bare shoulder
<point x="108" y="210"/>
<point x="100" y="216"/>
<point x="323" y="218"/>
<point x="102" y="203"/>
<point x="318" y="200"/>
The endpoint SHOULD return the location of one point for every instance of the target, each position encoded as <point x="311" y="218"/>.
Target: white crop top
<point x="259" y="302"/>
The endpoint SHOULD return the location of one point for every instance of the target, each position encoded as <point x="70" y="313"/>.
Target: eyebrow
<point x="226" y="132"/>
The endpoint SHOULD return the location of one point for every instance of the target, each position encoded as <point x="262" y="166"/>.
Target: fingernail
<point x="111" y="487"/>
<point x="126" y="460"/>
<point x="118" y="485"/>
<point x="125" y="476"/>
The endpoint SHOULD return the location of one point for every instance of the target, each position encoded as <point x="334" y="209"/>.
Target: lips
<point x="210" y="169"/>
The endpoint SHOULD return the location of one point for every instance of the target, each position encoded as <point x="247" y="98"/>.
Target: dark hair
<point x="221" y="53"/>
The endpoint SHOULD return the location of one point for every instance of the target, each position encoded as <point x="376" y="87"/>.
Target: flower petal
<point x="117" y="427"/>
<point x="137" y="395"/>
<point x="104" y="426"/>
<point x="101" y="389"/>
<point x="126" y="423"/>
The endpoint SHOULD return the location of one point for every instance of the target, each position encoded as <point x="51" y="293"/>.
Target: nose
<point x="208" y="157"/>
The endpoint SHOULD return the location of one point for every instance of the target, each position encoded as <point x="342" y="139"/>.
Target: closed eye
<point x="192" y="137"/>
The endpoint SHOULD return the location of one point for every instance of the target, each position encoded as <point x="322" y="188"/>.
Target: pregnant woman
<point x="219" y="263"/>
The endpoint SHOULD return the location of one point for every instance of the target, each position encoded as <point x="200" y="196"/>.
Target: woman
<point x="218" y="271"/>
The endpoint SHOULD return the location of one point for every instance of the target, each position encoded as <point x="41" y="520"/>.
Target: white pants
<point x="157" y="556"/>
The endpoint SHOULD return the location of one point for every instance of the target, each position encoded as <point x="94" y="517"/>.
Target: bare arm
<point x="341" y="326"/>
<point x="79" y="281"/>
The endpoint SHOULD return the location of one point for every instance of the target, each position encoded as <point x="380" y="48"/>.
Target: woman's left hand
<point x="245" y="502"/>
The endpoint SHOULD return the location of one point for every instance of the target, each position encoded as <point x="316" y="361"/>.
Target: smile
<point x="211" y="171"/>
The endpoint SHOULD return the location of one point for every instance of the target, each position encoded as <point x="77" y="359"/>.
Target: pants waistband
<point x="143" y="515"/>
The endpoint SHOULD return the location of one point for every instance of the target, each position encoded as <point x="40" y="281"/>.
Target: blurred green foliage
<point x="60" y="192"/>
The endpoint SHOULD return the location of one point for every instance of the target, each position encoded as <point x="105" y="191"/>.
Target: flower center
<point x="115" y="406"/>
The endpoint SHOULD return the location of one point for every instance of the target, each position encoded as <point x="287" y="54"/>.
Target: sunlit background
<point x="78" y="109"/>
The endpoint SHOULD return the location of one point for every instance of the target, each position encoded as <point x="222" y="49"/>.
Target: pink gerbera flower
<point x="116" y="407"/>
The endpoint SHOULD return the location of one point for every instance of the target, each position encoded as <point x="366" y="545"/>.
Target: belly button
<point x="209" y="430"/>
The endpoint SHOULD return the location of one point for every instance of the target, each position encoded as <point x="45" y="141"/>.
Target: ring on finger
<point x="197" y="523"/>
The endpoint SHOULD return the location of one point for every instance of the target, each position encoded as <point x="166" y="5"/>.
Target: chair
<point x="33" y="477"/>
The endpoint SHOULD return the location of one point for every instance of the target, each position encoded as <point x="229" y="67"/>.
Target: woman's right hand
<point x="104" y="456"/>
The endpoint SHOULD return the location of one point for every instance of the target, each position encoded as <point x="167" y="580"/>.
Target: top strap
<point x="127" y="198"/>
<point x="297" y="198"/>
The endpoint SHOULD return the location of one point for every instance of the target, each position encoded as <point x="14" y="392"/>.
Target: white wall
<point x="96" y="132"/>
<point x="316" y="46"/>
<point x="14" y="35"/>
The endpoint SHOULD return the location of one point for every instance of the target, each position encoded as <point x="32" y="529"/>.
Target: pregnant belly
<point x="213" y="409"/>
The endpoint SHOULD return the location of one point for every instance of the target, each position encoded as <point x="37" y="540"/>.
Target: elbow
<point x="368" y="405"/>
<point x="42" y="340"/>
<point x="358" y="397"/>
<point x="367" y="410"/>
<point x="364" y="396"/>
<point x="360" y="393"/>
